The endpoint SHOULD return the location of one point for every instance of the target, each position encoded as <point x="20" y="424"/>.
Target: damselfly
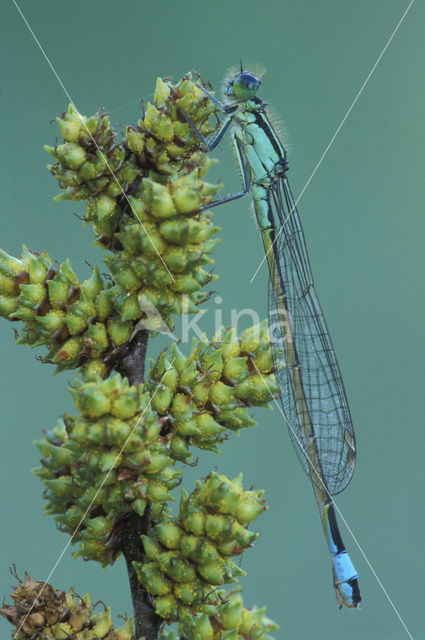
<point x="311" y="389"/>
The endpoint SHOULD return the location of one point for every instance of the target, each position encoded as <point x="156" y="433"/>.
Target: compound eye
<point x="246" y="85"/>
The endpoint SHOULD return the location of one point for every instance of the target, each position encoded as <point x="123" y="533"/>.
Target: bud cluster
<point x="203" y="396"/>
<point x="91" y="161"/>
<point x="145" y="196"/>
<point x="78" y="322"/>
<point x="189" y="556"/>
<point x="94" y="164"/>
<point x="165" y="244"/>
<point x="57" y="615"/>
<point x="163" y="140"/>
<point x="232" y="621"/>
<point x="104" y="463"/>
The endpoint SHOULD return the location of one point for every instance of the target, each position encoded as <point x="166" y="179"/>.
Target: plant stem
<point x="146" y="622"/>
<point x="132" y="364"/>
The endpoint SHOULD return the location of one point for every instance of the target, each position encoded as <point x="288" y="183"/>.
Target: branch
<point x="146" y="622"/>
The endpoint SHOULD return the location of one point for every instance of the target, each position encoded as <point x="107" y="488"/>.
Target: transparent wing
<point x="300" y="338"/>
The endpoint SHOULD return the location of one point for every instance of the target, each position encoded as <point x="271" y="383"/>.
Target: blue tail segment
<point x="344" y="574"/>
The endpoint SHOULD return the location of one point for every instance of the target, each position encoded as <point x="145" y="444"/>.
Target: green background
<point x="362" y="220"/>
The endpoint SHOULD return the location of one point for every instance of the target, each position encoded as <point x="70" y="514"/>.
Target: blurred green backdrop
<point x="362" y="220"/>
